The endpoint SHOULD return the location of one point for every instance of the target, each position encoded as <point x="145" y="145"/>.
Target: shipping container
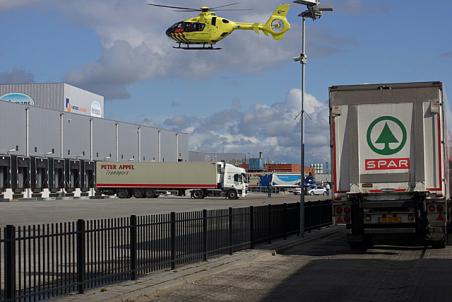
<point x="256" y="164"/>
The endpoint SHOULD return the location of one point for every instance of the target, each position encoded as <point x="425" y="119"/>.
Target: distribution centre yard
<point x="39" y="212"/>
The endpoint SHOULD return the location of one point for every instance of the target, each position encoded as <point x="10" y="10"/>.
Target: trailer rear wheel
<point x="123" y="193"/>
<point x="138" y="193"/>
<point x="197" y="194"/>
<point x="232" y="194"/>
<point x="151" y="194"/>
<point x="439" y="244"/>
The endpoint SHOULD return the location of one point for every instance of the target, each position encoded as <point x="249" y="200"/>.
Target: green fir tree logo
<point x="386" y="137"/>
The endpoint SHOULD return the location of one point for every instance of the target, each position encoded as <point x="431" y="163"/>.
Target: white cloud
<point x="272" y="129"/>
<point x="12" y="4"/>
<point x="136" y="48"/>
<point x="16" y="76"/>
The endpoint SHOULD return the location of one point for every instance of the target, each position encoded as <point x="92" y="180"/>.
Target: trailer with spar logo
<point x="390" y="164"/>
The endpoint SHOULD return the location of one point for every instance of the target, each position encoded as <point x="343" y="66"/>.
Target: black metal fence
<point x="43" y="261"/>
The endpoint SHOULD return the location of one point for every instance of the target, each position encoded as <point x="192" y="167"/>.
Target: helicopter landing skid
<point x="204" y="47"/>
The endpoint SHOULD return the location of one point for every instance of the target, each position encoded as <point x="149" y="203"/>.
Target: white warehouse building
<point x="60" y="120"/>
<point x="57" y="96"/>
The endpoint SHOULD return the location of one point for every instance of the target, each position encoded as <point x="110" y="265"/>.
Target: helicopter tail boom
<point x="276" y="26"/>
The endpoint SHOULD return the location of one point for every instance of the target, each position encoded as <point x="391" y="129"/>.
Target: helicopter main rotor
<point x="203" y="9"/>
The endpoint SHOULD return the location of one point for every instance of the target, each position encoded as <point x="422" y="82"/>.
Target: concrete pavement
<point x="323" y="268"/>
<point x="40" y="212"/>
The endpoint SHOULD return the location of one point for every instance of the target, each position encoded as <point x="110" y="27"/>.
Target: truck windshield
<point x="238" y="178"/>
<point x="245" y="179"/>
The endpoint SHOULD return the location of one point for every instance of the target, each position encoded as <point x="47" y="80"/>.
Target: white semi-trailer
<point x="152" y="179"/>
<point x="390" y="163"/>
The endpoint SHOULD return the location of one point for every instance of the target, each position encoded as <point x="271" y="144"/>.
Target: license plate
<point x="390" y="220"/>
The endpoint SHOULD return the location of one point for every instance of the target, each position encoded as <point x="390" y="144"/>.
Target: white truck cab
<point x="233" y="180"/>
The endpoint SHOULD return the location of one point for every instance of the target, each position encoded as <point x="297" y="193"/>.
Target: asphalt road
<point x="326" y="269"/>
<point x="40" y="212"/>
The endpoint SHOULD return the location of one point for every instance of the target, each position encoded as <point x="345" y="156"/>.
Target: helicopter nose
<point x="169" y="31"/>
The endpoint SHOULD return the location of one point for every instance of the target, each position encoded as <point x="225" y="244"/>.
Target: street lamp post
<point x="313" y="12"/>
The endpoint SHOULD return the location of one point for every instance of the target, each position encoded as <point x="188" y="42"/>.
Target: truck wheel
<point x="358" y="246"/>
<point x="150" y="194"/>
<point x="197" y="194"/>
<point x="232" y="194"/>
<point x="123" y="193"/>
<point x="439" y="244"/>
<point x="138" y="193"/>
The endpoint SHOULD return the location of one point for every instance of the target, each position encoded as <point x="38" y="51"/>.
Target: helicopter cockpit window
<point x="178" y="27"/>
<point x="191" y="27"/>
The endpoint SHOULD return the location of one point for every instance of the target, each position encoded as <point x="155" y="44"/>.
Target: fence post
<point x="204" y="235"/>
<point x="320" y="217"/>
<point x="173" y="240"/>
<point x="299" y="226"/>
<point x="81" y="255"/>
<point x="133" y="247"/>
<point x="311" y="210"/>
<point x="251" y="227"/>
<point x="285" y="220"/>
<point x="10" y="263"/>
<point x="231" y="249"/>
<point x="269" y="222"/>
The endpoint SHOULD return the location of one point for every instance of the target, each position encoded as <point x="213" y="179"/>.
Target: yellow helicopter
<point x="205" y="30"/>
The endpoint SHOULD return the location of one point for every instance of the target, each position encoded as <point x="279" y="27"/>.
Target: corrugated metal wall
<point x="84" y="137"/>
<point x="76" y="129"/>
<point x="47" y="96"/>
<point x="168" y="146"/>
<point x="149" y="144"/>
<point x="45" y="134"/>
<point x="183" y="147"/>
<point x="12" y="128"/>
<point x="104" y="131"/>
<point x="128" y="142"/>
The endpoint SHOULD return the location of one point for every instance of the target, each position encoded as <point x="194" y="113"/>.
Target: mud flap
<point x="357" y="219"/>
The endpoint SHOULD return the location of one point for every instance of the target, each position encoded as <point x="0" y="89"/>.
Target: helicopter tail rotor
<point x="277" y="25"/>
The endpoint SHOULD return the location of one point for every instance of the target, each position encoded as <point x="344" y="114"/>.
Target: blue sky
<point x="244" y="96"/>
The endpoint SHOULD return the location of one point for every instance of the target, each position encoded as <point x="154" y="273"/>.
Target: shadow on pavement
<point x="382" y="273"/>
<point x="367" y="280"/>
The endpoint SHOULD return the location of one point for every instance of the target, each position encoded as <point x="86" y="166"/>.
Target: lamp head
<point x="308" y="2"/>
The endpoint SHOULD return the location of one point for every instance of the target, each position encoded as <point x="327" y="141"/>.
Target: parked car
<point x="317" y="190"/>
<point x="296" y="191"/>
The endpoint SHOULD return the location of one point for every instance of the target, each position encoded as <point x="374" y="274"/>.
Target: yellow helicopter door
<point x="198" y="32"/>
